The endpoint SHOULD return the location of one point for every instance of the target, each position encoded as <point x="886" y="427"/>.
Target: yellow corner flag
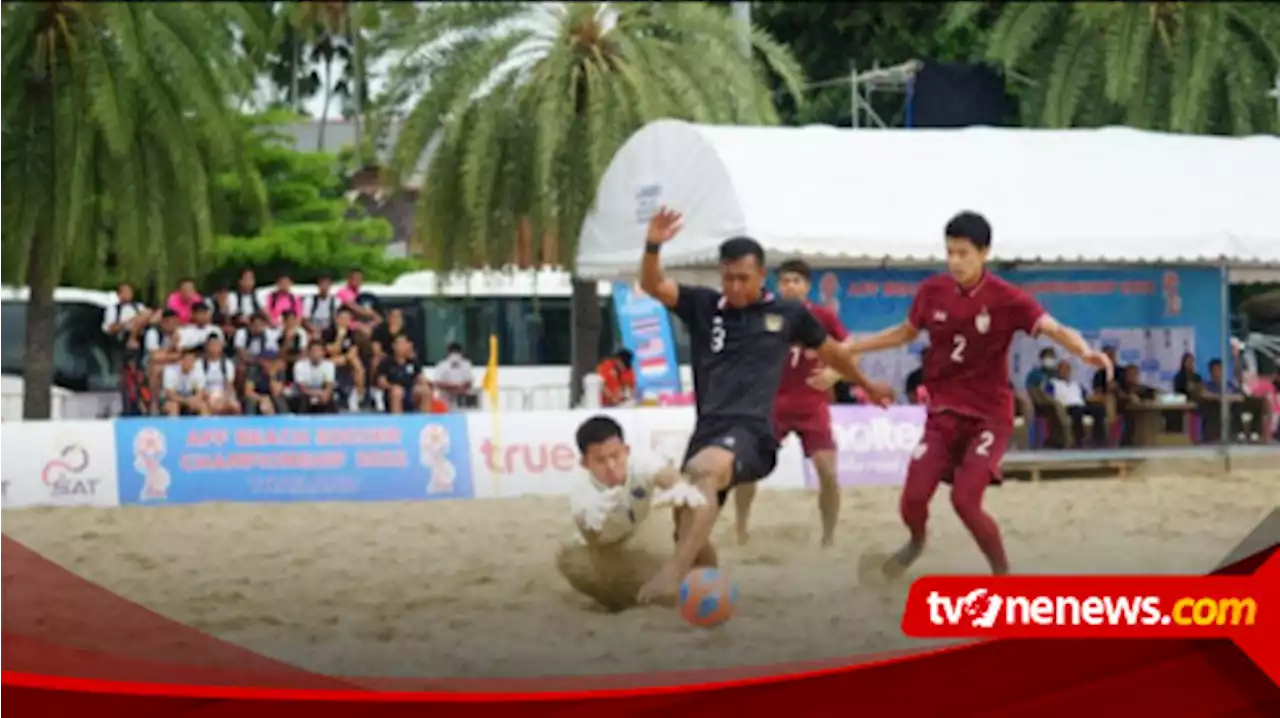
<point x="490" y="383"/>
<point x="490" y="386"/>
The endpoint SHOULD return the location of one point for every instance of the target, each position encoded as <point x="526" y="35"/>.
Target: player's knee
<point x="711" y="469"/>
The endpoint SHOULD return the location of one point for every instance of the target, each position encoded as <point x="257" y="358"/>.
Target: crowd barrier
<point x="157" y="461"/>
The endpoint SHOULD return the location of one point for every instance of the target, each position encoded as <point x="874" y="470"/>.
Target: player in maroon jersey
<point x="802" y="406"/>
<point x="971" y="317"/>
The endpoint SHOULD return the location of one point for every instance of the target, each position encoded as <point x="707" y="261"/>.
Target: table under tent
<point x="1059" y="200"/>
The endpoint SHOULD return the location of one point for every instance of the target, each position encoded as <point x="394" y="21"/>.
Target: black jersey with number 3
<point x="738" y="354"/>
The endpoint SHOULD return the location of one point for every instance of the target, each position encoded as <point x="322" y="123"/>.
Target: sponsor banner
<point x="874" y="444"/>
<point x="58" y="463"/>
<point x="302" y="458"/>
<point x="535" y="453"/>
<point x="528" y="452"/>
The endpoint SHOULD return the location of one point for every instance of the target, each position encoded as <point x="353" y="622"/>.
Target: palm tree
<point x="1176" y="66"/>
<point x="526" y="103"/>
<point x="115" y="117"/>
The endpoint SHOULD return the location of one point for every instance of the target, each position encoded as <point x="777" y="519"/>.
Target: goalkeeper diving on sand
<point x="610" y="559"/>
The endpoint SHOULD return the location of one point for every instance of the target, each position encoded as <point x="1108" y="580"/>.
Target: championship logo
<point x="148" y="454"/>
<point x="433" y="455"/>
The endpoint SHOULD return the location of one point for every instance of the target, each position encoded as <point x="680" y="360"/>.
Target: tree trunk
<point x="586" y="335"/>
<point x="328" y="97"/>
<point x="295" y="90"/>
<point x="357" y="83"/>
<point x="37" y="357"/>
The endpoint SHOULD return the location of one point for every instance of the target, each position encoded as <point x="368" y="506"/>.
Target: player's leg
<point x="930" y="461"/>
<point x="744" y="494"/>
<point x="608" y="575"/>
<point x="818" y="442"/>
<point x="710" y="471"/>
<point x="980" y="467"/>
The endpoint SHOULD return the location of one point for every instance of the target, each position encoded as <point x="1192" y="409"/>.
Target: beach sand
<point x="469" y="588"/>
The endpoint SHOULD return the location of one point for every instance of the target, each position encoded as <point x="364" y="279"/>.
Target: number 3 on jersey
<point x="957" y="351"/>
<point x="717" y="335"/>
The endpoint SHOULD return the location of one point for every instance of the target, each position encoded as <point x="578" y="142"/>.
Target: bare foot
<point x="828" y="541"/>
<point x="743" y="536"/>
<point x="885" y="566"/>
<point x="662" y="588"/>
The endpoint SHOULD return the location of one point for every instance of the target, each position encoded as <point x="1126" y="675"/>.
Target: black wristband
<point x="652" y="247"/>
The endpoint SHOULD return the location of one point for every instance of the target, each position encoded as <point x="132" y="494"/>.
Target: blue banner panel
<point x="293" y="458"/>
<point x="645" y="328"/>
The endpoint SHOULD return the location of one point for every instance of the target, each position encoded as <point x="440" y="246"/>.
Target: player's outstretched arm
<point x="839" y="357"/>
<point x="1071" y="340"/>
<point x="893" y="337"/>
<point x="663" y="226"/>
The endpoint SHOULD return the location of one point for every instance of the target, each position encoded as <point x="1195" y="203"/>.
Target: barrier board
<point x="58" y="463"/>
<point x="384" y="458"/>
<point x="293" y="458"/>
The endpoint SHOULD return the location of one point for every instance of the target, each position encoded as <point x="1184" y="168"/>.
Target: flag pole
<point x="491" y="392"/>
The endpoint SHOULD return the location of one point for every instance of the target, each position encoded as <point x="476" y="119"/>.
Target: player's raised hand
<point x="1101" y="361"/>
<point x="879" y="393"/>
<point x="665" y="224"/>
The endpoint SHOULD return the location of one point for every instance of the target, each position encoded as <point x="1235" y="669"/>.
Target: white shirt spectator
<point x="320" y="310"/>
<point x="313" y="376"/>
<point x="1068" y="393"/>
<point x="121" y="313"/>
<point x="219" y="374"/>
<point x="184" y="383"/>
<point x="154" y="339"/>
<point x="242" y="304"/>
<point x="455" y="369"/>
<point x="256" y="344"/>
<point x="190" y="336"/>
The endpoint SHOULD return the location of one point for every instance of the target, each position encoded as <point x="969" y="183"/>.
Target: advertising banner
<point x="874" y="444"/>
<point x="58" y="463"/>
<point x="302" y="458"/>
<point x="645" y="328"/>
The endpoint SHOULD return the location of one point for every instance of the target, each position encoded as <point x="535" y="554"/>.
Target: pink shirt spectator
<point x="346" y="295"/>
<point x="279" y="302"/>
<point x="182" y="306"/>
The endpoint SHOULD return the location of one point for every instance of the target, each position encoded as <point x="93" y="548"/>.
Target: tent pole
<point x="1224" y="349"/>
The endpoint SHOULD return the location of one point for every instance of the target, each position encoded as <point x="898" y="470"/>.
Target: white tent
<point x="841" y="197"/>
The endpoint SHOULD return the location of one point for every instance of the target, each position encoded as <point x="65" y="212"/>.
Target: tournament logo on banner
<point x="338" y="458"/>
<point x="645" y="326"/>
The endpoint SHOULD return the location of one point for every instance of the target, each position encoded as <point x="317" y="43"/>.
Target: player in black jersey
<point x="741" y="337"/>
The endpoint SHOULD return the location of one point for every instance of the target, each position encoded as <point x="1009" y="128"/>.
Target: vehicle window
<point x="84" y="359"/>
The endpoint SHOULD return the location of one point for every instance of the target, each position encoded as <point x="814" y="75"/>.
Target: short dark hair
<point x="1215" y="363"/>
<point x="625" y="356"/>
<point x="201" y="308"/>
<point x="731" y="250"/>
<point x="1048" y="352"/>
<point x="288" y="314"/>
<point x="453" y="348"/>
<point x="971" y="226"/>
<point x="259" y="317"/>
<point x="597" y="430"/>
<point x="168" y="314"/>
<point x="324" y="277"/>
<point x="797" y="266"/>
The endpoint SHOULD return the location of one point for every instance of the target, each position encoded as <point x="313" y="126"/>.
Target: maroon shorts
<point x="813" y="427"/>
<point x="956" y="446"/>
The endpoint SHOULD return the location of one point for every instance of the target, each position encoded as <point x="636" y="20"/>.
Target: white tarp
<point x="843" y="197"/>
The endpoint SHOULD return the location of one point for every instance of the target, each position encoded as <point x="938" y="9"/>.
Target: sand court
<point x="469" y="588"/>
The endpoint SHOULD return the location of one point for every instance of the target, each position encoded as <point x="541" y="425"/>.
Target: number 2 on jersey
<point x="957" y="352"/>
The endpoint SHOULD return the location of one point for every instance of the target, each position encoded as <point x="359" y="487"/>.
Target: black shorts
<point x="755" y="451"/>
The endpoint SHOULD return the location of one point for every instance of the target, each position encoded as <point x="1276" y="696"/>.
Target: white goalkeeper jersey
<point x="615" y="512"/>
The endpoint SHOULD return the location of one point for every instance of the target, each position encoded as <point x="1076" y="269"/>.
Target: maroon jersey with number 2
<point x="966" y="367"/>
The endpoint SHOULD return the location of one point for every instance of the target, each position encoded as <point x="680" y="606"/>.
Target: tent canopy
<point x="843" y="197"/>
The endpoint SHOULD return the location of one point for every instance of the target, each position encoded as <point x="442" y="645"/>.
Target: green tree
<point x="1181" y="67"/>
<point x="115" y="118"/>
<point x="529" y="101"/>
<point x="312" y="229"/>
